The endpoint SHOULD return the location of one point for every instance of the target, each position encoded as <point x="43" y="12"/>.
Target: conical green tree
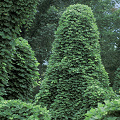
<point x="74" y="66"/>
<point x="13" y="14"/>
<point x="24" y="74"/>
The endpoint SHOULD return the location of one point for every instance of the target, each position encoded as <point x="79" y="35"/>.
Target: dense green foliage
<point x="116" y="85"/>
<point x="75" y="75"/>
<point x="107" y="19"/>
<point x="24" y="73"/>
<point x="94" y="94"/>
<point x="18" y="65"/>
<point x="18" y="110"/>
<point x="74" y="66"/>
<point x="13" y="14"/>
<point x="41" y="35"/>
<point x="108" y="111"/>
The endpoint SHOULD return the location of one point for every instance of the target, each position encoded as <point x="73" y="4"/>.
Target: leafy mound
<point x="74" y="67"/>
<point x="24" y="73"/>
<point x="18" y="110"/>
<point x="108" y="111"/>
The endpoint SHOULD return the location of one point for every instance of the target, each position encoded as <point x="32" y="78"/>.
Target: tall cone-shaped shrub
<point x="74" y="66"/>
<point x="13" y="14"/>
<point x="24" y="74"/>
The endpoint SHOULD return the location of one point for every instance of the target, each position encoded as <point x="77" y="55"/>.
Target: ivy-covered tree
<point x="107" y="19"/>
<point x="24" y="74"/>
<point x="74" y="66"/>
<point x="13" y="14"/>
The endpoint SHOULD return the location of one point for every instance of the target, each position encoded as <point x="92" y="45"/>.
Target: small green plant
<point x="18" y="110"/>
<point x="24" y="74"/>
<point x="108" y="111"/>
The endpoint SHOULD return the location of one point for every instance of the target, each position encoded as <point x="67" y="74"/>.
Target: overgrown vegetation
<point x="107" y="17"/>
<point x="75" y="69"/>
<point x="24" y="74"/>
<point x="13" y="15"/>
<point x="41" y="34"/>
<point x="18" y="66"/>
<point x="108" y="111"/>
<point x="75" y="80"/>
<point x="19" y="110"/>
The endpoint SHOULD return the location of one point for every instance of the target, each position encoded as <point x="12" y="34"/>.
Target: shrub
<point x="18" y="110"/>
<point x="74" y="66"/>
<point x="94" y="94"/>
<point x="24" y="74"/>
<point x="108" y="111"/>
<point x="13" y="15"/>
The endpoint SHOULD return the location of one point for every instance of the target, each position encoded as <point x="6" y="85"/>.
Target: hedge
<point x="108" y="111"/>
<point x="18" y="110"/>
